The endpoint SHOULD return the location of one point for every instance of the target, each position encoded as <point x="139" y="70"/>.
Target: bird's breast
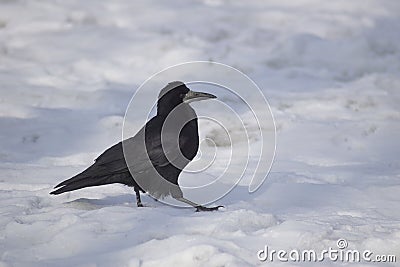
<point x="190" y="139"/>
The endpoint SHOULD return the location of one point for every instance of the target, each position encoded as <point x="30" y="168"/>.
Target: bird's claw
<point x="202" y="208"/>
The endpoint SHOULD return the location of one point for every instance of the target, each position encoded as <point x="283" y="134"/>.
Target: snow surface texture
<point x="330" y="70"/>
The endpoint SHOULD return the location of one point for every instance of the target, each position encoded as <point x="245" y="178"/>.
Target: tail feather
<point x="82" y="183"/>
<point x="72" y="180"/>
<point x="89" y="173"/>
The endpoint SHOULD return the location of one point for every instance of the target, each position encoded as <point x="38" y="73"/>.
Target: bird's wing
<point x="109" y="165"/>
<point x="113" y="153"/>
<point x="140" y="150"/>
<point x="112" y="165"/>
<point x="113" y="160"/>
<point x="166" y="151"/>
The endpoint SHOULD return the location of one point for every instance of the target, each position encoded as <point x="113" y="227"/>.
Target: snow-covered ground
<point x="330" y="70"/>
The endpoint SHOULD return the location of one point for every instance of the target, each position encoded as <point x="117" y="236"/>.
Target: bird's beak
<point x="197" y="96"/>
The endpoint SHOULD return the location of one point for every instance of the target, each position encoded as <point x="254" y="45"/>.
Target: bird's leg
<point x="138" y="201"/>
<point x="197" y="206"/>
<point x="187" y="201"/>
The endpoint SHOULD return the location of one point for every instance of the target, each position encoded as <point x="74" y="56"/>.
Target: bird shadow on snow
<point x="238" y="195"/>
<point x="127" y="200"/>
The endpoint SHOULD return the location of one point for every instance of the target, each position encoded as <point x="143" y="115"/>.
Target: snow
<point x="329" y="69"/>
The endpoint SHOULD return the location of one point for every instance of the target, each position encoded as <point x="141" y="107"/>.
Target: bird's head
<point x="176" y="93"/>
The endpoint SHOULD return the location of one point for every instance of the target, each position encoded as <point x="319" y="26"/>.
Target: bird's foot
<point x="202" y="208"/>
<point x="139" y="204"/>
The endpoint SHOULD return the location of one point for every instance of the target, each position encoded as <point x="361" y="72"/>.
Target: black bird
<point x="152" y="160"/>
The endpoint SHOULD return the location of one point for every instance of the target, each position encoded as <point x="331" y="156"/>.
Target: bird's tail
<point x="83" y="180"/>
